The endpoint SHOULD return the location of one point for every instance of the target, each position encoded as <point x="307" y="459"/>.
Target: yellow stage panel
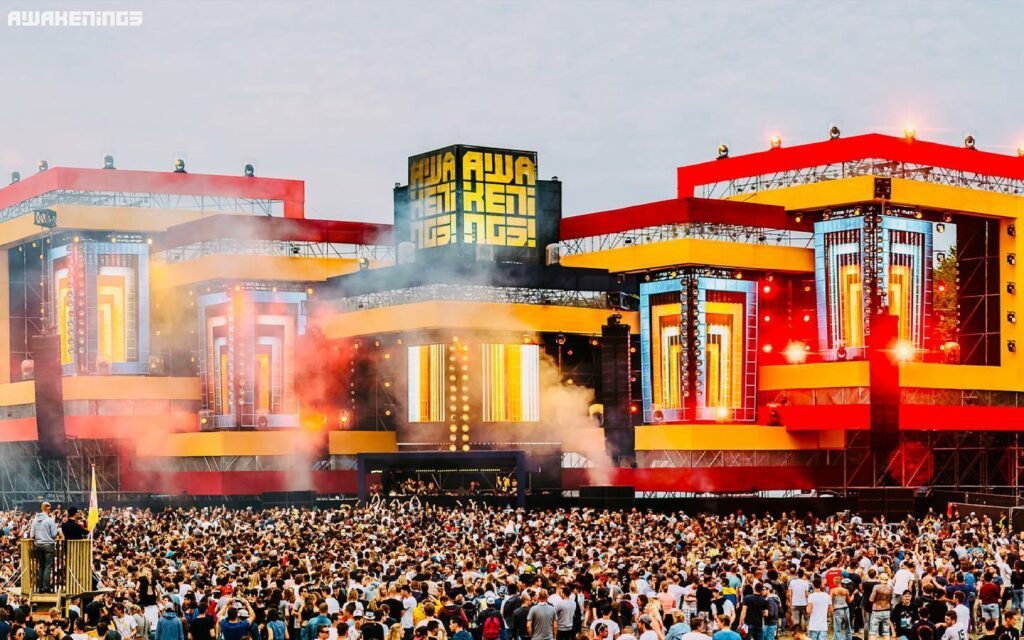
<point x="816" y="375"/>
<point x="942" y="196"/>
<point x="815" y="195"/>
<point x="352" y="442"/>
<point x="732" y="437"/>
<point x="471" y="315"/>
<point x="15" y="393"/>
<point x="130" y="388"/>
<point x="253" y="267"/>
<point x="221" y="443"/>
<point x="928" y="375"/>
<point x="687" y="251"/>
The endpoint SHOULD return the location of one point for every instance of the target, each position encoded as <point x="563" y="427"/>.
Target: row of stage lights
<point x="909" y="134"/>
<point x="249" y="171"/>
<point x="796" y="352"/>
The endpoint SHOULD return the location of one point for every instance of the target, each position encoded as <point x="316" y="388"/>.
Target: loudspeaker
<point x="289" y="498"/>
<point x="49" y="396"/>
<point x="1017" y="519"/>
<point x="608" y="497"/>
<point x="883" y="188"/>
<point x="615" y="389"/>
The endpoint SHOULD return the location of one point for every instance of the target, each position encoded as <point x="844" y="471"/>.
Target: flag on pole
<point x="94" y="508"/>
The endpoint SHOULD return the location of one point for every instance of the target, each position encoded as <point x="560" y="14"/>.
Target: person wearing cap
<point x="841" y="598"/>
<point x="43" y="532"/>
<point x="169" y="626"/>
<point x="490" y="620"/>
<point x="233" y="619"/>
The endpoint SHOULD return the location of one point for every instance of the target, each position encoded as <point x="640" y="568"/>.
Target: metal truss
<point x="206" y="203"/>
<point x="666" y="459"/>
<point x="697" y="230"/>
<point x="231" y="246"/>
<point x="26" y="477"/>
<point x="867" y="167"/>
<point x="478" y="293"/>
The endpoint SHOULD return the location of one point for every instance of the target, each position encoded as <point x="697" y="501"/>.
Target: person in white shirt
<point x="797" y="596"/>
<point x="647" y="627"/>
<point x="408" y="604"/>
<point x="627" y="633"/>
<point x="903" y="579"/>
<point x="817" y="612"/>
<point x="611" y="625"/>
<point x="697" y="627"/>
<point x="955" y="630"/>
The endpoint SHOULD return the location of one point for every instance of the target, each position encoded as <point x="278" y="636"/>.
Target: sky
<point x="612" y="95"/>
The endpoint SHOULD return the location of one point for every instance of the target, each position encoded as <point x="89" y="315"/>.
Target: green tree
<point x="944" y="317"/>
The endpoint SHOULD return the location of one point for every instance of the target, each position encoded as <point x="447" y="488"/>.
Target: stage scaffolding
<point x="27" y="477"/>
<point x="866" y="167"/>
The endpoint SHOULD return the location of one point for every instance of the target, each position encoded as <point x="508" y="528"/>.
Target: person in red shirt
<point x="833" y="577"/>
<point x="989" y="594"/>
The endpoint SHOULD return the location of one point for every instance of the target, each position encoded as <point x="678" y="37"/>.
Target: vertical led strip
<point x="511" y="384"/>
<point x="427" y="383"/>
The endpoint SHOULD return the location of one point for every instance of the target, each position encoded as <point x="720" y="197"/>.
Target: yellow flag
<point x="94" y="508"/>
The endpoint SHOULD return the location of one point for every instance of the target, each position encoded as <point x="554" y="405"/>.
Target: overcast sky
<point x="612" y="95"/>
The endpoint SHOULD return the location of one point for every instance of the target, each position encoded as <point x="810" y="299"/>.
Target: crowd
<point x="416" y="572"/>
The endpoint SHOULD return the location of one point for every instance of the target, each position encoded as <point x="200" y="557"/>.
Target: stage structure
<point x="838" y="316"/>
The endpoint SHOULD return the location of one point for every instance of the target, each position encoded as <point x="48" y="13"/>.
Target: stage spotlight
<point x="940" y="228"/>
<point x="1011" y="259"/>
<point x="108" y="162"/>
<point x="969" y="141"/>
<point x="722" y="414"/>
<point x="1011" y="287"/>
<point x="796" y="352"/>
<point x="179" y="166"/>
<point x="767" y="348"/>
<point x="918" y="214"/>
<point x="775" y="141"/>
<point x="904" y="351"/>
<point x="1020" y="151"/>
<point x="250" y="171"/>
<point x="723" y="152"/>
<point x="1011" y="317"/>
<point x="1011" y="346"/>
<point x="738" y="275"/>
<point x="799" y="218"/>
<point x="15" y="176"/>
<point x="909" y="132"/>
<point x="1011" y="230"/>
<point x="42" y="166"/>
<point x="833" y="133"/>
<point x="364" y="264"/>
<point x="841" y="353"/>
<point x="560" y="339"/>
<point x="647" y="277"/>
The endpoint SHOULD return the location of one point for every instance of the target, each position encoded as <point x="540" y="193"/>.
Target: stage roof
<point x="246" y="227"/>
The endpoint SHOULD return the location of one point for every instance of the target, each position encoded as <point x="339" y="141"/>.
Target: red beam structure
<point x="677" y="211"/>
<point x="862" y="147"/>
<point x="283" y="229"/>
<point x="291" y="192"/>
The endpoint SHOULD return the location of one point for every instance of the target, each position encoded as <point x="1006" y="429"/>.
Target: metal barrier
<point x="72" y="568"/>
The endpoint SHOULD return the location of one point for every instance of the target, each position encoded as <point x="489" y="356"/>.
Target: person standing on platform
<point x="44" y="544"/>
<point x="72" y="528"/>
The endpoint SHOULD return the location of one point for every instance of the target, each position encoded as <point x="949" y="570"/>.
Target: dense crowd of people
<point x="417" y="572"/>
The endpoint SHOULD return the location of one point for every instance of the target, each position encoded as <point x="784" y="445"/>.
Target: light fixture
<point x="775" y="141"/>
<point x="722" y="414"/>
<point x="738" y="275"/>
<point x="909" y="132"/>
<point x="723" y="152"/>
<point x="841" y="353"/>
<point x="834" y="133"/>
<point x="969" y="141"/>
<point x="796" y="352"/>
<point x="250" y="172"/>
<point x="1011" y="230"/>
<point x="904" y="351"/>
<point x="1011" y="287"/>
<point x="1011" y="259"/>
<point x="767" y="348"/>
<point x="42" y="166"/>
<point x="560" y="339"/>
<point x="108" y="162"/>
<point x="179" y="166"/>
<point x="1020" y="151"/>
<point x="1011" y="346"/>
<point x="15" y="176"/>
<point x="940" y="228"/>
<point x="799" y="218"/>
<point x="918" y="214"/>
<point x="947" y="218"/>
<point x="1011" y="317"/>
